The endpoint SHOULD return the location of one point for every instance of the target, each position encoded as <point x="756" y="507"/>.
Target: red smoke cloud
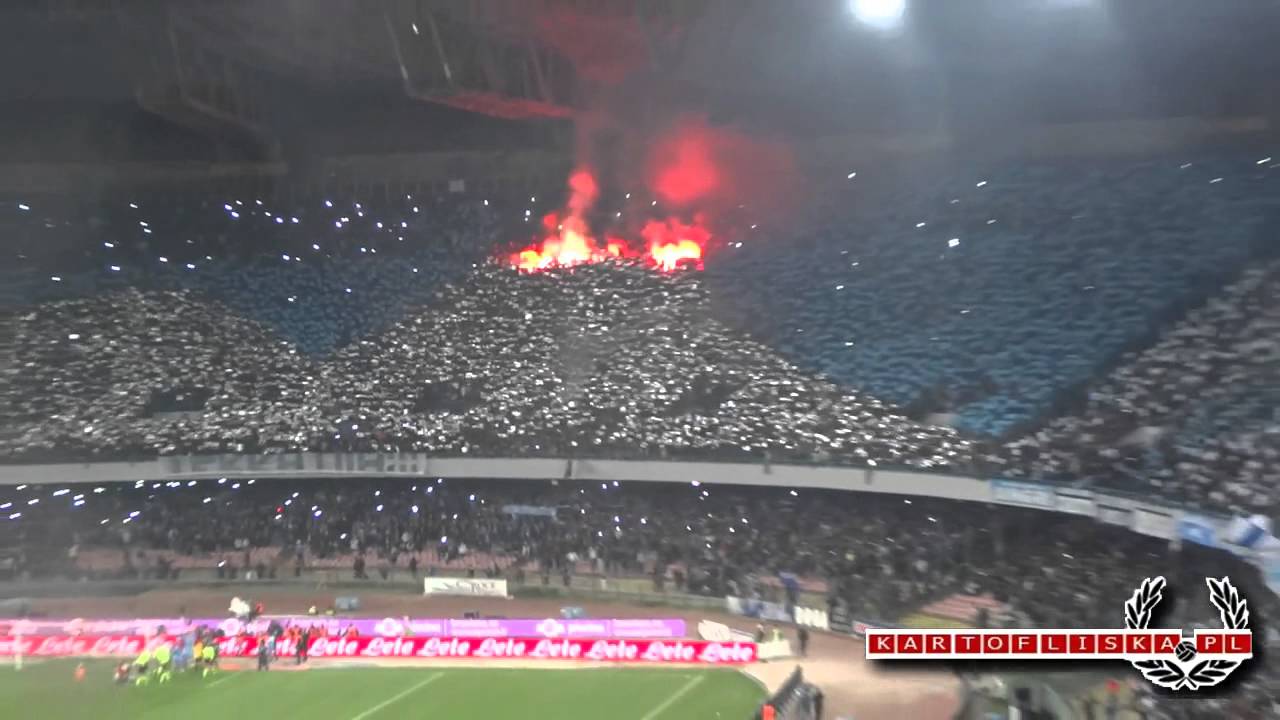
<point x="583" y="191"/>
<point x="682" y="169"/>
<point x="696" y="165"/>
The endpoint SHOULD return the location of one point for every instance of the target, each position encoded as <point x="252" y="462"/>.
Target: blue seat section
<point x="308" y="306"/>
<point x="321" y="274"/>
<point x="333" y="302"/>
<point x="985" y="293"/>
<point x="989" y="293"/>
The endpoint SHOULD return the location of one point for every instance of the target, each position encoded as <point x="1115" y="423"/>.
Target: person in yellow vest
<point x="140" y="666"/>
<point x="164" y="656"/>
<point x="210" y="658"/>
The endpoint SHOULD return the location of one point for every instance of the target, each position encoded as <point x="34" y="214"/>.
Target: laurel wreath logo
<point x="1185" y="673"/>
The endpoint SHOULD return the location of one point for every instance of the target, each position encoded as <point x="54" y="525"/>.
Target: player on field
<point x="210" y="658"/>
<point x="164" y="659"/>
<point x="140" y="667"/>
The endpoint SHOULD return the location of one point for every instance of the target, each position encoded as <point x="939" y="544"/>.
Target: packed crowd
<point x="986" y="294"/>
<point x="608" y="359"/>
<point x="320" y="273"/>
<point x="988" y="305"/>
<point x="1195" y="417"/>
<point x="877" y="554"/>
<point x="874" y="557"/>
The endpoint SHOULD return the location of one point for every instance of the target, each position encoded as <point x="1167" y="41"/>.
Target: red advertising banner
<point x="655" y="652"/>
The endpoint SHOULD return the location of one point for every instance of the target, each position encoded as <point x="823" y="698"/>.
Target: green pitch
<point x="49" y="691"/>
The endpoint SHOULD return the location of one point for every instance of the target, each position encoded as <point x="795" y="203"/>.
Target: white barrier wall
<point x="321" y="465"/>
<point x="719" y="632"/>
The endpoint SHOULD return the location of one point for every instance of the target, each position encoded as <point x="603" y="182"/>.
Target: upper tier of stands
<point x="986" y="293"/>
<point x="613" y="360"/>
<point x="320" y="275"/>
<point x="987" y="299"/>
<point x="1196" y="416"/>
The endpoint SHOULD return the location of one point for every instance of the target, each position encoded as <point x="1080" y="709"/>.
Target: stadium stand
<point x="878" y="555"/>
<point x="201" y="325"/>
<point x="1194" y="418"/>
<point x="988" y="294"/>
<point x="970" y="333"/>
<point x="290" y="270"/>
<point x="1048" y="278"/>
<point x="487" y="373"/>
<point x="874" y="558"/>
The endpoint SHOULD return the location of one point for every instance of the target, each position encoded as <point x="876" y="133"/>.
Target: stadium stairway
<point x="7" y="342"/>
<point x="8" y="366"/>
<point x="579" y="350"/>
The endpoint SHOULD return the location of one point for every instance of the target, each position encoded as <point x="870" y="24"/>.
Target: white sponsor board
<point x="813" y="618"/>
<point x="468" y="587"/>
<point x="1007" y="492"/>
<point x="774" y="649"/>
<point x="719" y="632"/>
<point x="768" y="650"/>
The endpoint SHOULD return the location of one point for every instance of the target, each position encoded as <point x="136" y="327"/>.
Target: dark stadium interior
<point x="1031" y="243"/>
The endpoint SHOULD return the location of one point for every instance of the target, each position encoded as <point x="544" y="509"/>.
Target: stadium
<point x="637" y="359"/>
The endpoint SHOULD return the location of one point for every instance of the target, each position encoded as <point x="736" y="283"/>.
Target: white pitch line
<point x="684" y="690"/>
<point x="397" y="697"/>
<point x="229" y="675"/>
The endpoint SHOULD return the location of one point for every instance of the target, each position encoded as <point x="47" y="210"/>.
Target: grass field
<point x="48" y="691"/>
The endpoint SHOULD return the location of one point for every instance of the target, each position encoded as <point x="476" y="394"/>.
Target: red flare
<point x="668" y="246"/>
<point x="673" y="243"/>
<point x="567" y="241"/>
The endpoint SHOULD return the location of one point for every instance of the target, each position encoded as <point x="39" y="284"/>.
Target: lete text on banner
<point x="619" y="651"/>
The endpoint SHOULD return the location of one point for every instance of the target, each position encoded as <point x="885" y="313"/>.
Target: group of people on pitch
<point x="197" y="649"/>
<point x="276" y="640"/>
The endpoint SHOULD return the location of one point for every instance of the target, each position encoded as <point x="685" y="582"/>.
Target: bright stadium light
<point x="880" y="14"/>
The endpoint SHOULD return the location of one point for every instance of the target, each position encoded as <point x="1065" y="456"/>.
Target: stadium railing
<point x="793" y="700"/>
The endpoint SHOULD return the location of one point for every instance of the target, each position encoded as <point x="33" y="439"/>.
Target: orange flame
<point x="672" y="243"/>
<point x="669" y="244"/>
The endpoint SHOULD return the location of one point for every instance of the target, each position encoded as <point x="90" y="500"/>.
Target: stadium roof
<point x="825" y="65"/>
